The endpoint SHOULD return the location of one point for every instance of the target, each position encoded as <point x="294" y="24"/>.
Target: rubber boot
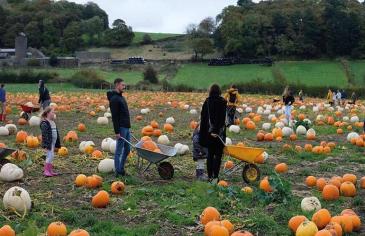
<point x="52" y="172"/>
<point x="47" y="170"/>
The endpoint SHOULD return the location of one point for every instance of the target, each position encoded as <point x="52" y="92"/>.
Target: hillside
<point x="138" y="36"/>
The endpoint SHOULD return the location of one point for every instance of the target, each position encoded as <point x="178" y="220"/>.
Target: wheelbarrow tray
<point x="154" y="157"/>
<point x="247" y="154"/>
<point x="4" y="152"/>
<point x="29" y="109"/>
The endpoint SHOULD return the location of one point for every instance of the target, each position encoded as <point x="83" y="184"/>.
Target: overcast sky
<point x="163" y="16"/>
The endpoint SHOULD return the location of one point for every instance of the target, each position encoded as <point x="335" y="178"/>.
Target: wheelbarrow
<point x="165" y="169"/>
<point x="246" y="157"/>
<point x="4" y="152"/>
<point x="27" y="111"/>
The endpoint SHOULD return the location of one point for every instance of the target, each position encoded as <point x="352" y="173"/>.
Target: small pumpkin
<point x="101" y="199"/>
<point x="228" y="165"/>
<point x="218" y="230"/>
<point x="80" y="180"/>
<point x="281" y="168"/>
<point x="81" y="127"/>
<point x="310" y="204"/>
<point x="334" y="228"/>
<point x="6" y="230"/>
<point x="21" y="136"/>
<point x="348" y="189"/>
<point x="79" y="232"/>
<point x="223" y="183"/>
<point x="118" y="187"/>
<point x="247" y="190"/>
<point x="63" y="151"/>
<point x="57" y="229"/>
<point x="96" y="154"/>
<point x="241" y="233"/>
<point x="311" y="181"/>
<point x="349" y="177"/>
<point x="209" y="214"/>
<point x="321" y="218"/>
<point x="168" y="127"/>
<point x="321" y="182"/>
<point x="307" y="228"/>
<point x="330" y="192"/>
<point x="295" y="221"/>
<point x="362" y="183"/>
<point x="323" y="232"/>
<point x="265" y="185"/>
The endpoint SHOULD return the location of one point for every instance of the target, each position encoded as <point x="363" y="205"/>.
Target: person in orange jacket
<point x="233" y="99"/>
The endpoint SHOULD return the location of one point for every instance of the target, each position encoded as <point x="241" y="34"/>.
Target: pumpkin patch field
<point x="311" y="176"/>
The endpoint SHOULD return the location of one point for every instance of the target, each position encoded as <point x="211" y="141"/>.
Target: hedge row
<point x="25" y="76"/>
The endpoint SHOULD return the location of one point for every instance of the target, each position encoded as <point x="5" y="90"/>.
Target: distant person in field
<point x="3" y="102"/>
<point x="343" y="96"/>
<point x="301" y="96"/>
<point x="44" y="98"/>
<point x="334" y="98"/>
<point x="353" y="98"/>
<point x="233" y="100"/>
<point x="330" y="97"/>
<point x="50" y="139"/>
<point x="199" y="154"/>
<point x="122" y="123"/>
<point x="338" y="98"/>
<point x="288" y="100"/>
<point x="212" y="129"/>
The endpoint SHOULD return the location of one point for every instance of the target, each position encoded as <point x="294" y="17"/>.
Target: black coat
<point x="119" y="109"/>
<point x="217" y="112"/>
<point x="47" y="135"/>
<point x="43" y="95"/>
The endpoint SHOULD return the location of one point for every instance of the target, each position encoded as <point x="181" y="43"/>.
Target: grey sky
<point x="165" y="16"/>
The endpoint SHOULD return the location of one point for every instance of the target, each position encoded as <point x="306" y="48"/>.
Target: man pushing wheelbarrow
<point x="233" y="99"/>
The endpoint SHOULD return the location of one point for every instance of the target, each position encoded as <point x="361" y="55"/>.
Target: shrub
<point x="146" y="39"/>
<point x="25" y="76"/>
<point x="150" y="75"/>
<point x="33" y="62"/>
<point x="88" y="79"/>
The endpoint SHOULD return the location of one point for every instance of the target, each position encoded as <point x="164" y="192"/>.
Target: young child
<point x="50" y="139"/>
<point x="199" y="155"/>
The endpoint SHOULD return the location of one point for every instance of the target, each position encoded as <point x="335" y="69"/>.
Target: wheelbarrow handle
<point x="224" y="143"/>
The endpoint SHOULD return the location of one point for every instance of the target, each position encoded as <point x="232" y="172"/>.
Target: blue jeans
<point x="122" y="150"/>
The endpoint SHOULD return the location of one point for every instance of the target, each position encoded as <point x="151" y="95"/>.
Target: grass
<point x="358" y="69"/>
<point x="151" y="206"/>
<point x="138" y="36"/>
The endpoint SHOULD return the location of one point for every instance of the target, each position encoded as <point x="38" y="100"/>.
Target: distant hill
<point x="138" y="36"/>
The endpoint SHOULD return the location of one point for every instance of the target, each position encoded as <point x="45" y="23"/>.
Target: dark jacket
<point x="217" y="112"/>
<point x="119" y="109"/>
<point x="2" y="95"/>
<point x="43" y="94"/>
<point x="288" y="100"/>
<point x="199" y="152"/>
<point x="47" y="135"/>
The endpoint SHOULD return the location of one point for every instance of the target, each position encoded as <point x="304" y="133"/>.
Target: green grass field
<point x="138" y="36"/>
<point x="358" y="69"/>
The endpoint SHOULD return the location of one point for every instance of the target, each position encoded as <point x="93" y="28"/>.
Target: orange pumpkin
<point x="308" y="147"/>
<point x="281" y="168"/>
<point x="250" y="125"/>
<point x="149" y="145"/>
<point x="311" y="181"/>
<point x="218" y="230"/>
<point x="209" y="225"/>
<point x="96" y="154"/>
<point x="168" y="128"/>
<point x="21" y="136"/>
<point x="321" y="182"/>
<point x="349" y="177"/>
<point x="6" y="230"/>
<point x="293" y="137"/>
<point x="32" y="142"/>
<point x="321" y="218"/>
<point x="81" y="127"/>
<point x="79" y="232"/>
<point x="334" y="228"/>
<point x="223" y="183"/>
<point x="118" y="187"/>
<point x="57" y="229"/>
<point x="362" y="183"/>
<point x="157" y="133"/>
<point x="209" y="214"/>
<point x="193" y="124"/>
<point x="260" y="136"/>
<point x="147" y="130"/>
<point x="139" y="118"/>
<point x="2" y="145"/>
<point x="101" y="199"/>
<point x="339" y="131"/>
<point x="348" y="189"/>
<point x="22" y="121"/>
<point x="241" y="233"/>
<point x="269" y="137"/>
<point x="89" y="149"/>
<point x="80" y="180"/>
<point x="295" y="221"/>
<point x="323" y="232"/>
<point x="330" y="192"/>
<point x="228" y="165"/>
<point x="265" y="185"/>
<point x="260" y="159"/>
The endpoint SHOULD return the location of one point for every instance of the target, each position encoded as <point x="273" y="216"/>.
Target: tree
<point x="207" y="26"/>
<point x="93" y="27"/>
<point x="150" y="75"/>
<point x="146" y="39"/>
<point x="245" y="3"/>
<point x="202" y="46"/>
<point x="72" y="36"/>
<point x="120" y="35"/>
<point x="11" y="34"/>
<point x="33" y="32"/>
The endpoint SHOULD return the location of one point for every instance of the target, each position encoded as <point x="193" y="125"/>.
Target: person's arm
<point x="115" y="110"/>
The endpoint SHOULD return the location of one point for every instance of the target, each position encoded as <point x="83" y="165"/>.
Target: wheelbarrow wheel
<point x="165" y="170"/>
<point x="250" y="173"/>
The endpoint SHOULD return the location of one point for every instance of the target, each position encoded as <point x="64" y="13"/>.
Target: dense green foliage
<point x="25" y="76"/>
<point x="292" y="28"/>
<point x="60" y="27"/>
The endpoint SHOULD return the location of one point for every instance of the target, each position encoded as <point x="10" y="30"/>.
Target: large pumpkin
<point x="101" y="199"/>
<point x="295" y="221"/>
<point x="6" y="230"/>
<point x="21" y="136"/>
<point x="307" y="228"/>
<point x="209" y="214"/>
<point x="348" y="189"/>
<point x="117" y="187"/>
<point x="79" y="232"/>
<point x="57" y="229"/>
<point x="321" y="218"/>
<point x="330" y="192"/>
<point x="17" y="198"/>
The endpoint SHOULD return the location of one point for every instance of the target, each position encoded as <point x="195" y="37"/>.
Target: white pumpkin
<point x="287" y="131"/>
<point x="10" y="172"/>
<point x="112" y="146"/>
<point x="345" y="118"/>
<point x="34" y="121"/>
<point x="260" y="110"/>
<point x="266" y="156"/>
<point x="301" y="130"/>
<point x="308" y="121"/>
<point x="302" y="107"/>
<point x="17" y="198"/>
<point x="311" y="131"/>
<point x="102" y="120"/>
<point x="354" y="119"/>
<point x="84" y="144"/>
<point x="266" y="126"/>
<point x="170" y="120"/>
<point x="352" y="135"/>
<point x="105" y="144"/>
<point x="271" y="116"/>
<point x="310" y="204"/>
<point x="320" y="118"/>
<point x="234" y="129"/>
<point x="145" y="111"/>
<point x="4" y="131"/>
<point x="240" y="110"/>
<point x="163" y="139"/>
<point x="267" y="112"/>
<point x="106" y="166"/>
<point x="193" y="111"/>
<point x="315" y="109"/>
<point x="228" y="141"/>
<point x="107" y="115"/>
<point x="12" y="128"/>
<point x="186" y="107"/>
<point x="248" y="110"/>
<point x="181" y="149"/>
<point x="102" y="108"/>
<point x="279" y="124"/>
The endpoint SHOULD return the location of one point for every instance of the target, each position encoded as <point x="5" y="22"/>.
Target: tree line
<point x="292" y="29"/>
<point x="60" y="27"/>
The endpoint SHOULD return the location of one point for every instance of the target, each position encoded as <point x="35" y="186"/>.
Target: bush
<point x="146" y="39"/>
<point x="25" y="76"/>
<point x="150" y="75"/>
<point x="34" y="63"/>
<point x="88" y="79"/>
<point x="53" y="61"/>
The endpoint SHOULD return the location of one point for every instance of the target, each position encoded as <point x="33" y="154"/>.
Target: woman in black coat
<point x="212" y="125"/>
